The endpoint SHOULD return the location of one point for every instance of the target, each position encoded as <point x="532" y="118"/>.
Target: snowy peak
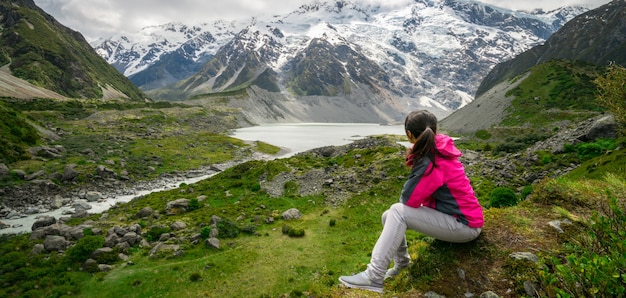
<point x="425" y="50"/>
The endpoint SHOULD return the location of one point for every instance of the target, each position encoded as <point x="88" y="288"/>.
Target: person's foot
<point x="395" y="270"/>
<point x="361" y="281"/>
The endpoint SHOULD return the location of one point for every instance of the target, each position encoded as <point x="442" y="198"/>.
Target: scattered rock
<point x="525" y="256"/>
<point x="55" y="243"/>
<point x="292" y="213"/>
<point x="43" y="221"/>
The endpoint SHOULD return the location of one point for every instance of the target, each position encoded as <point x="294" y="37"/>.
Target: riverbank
<point x="44" y="198"/>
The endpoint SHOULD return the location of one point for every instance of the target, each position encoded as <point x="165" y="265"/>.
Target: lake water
<point x="292" y="138"/>
<point x="299" y="137"/>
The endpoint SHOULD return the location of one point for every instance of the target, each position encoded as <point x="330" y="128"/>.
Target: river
<point x="293" y="138"/>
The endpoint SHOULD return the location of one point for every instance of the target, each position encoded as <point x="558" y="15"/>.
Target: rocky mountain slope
<point x="429" y="54"/>
<point x="596" y="36"/>
<point x="48" y="59"/>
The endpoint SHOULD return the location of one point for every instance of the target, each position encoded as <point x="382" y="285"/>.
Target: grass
<point x="272" y="264"/>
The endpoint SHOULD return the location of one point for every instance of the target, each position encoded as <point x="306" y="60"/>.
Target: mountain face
<point x="597" y="36"/>
<point x="52" y="59"/>
<point x="431" y="53"/>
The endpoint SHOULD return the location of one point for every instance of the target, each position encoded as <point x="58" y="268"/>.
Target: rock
<point x="159" y="247"/>
<point x="55" y="243"/>
<point x="4" y="170"/>
<point x="93" y="196"/>
<point x="105" y="267"/>
<point x="524" y="256"/>
<point x="213" y="243"/>
<point x="4" y="225"/>
<point x="145" y="212"/>
<point x="179" y="225"/>
<point x="131" y="238"/>
<point x="602" y="128"/>
<point x="38" y="249"/>
<point x="35" y="175"/>
<point x="489" y="294"/>
<point x="177" y="206"/>
<point x="292" y="213"/>
<point x="556" y="224"/>
<point x="101" y="251"/>
<point x="57" y="202"/>
<point x="69" y="173"/>
<point x="81" y="205"/>
<point x="43" y="221"/>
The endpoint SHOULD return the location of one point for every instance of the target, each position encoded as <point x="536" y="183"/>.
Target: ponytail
<point x="423" y="125"/>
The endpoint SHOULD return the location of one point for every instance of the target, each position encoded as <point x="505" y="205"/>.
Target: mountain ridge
<point x="400" y="42"/>
<point x="38" y="49"/>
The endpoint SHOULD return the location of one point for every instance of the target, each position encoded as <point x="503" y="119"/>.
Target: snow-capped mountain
<point x="431" y="52"/>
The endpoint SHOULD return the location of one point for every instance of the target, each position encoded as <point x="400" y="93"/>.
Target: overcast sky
<point x="103" y="18"/>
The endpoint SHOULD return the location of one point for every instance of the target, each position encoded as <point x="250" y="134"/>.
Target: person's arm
<point x="419" y="187"/>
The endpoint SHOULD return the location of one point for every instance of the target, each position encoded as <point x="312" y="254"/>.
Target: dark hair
<point x="423" y="125"/>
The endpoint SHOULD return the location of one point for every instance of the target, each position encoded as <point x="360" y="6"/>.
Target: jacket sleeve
<point x="418" y="189"/>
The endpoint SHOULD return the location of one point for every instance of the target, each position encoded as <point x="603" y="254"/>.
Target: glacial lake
<point x="300" y="137"/>
<point x="293" y="138"/>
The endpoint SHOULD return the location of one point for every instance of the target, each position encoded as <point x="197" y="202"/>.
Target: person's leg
<point x="397" y="219"/>
<point x="425" y="220"/>
<point x="386" y="247"/>
<point x="438" y="225"/>
<point x="401" y="259"/>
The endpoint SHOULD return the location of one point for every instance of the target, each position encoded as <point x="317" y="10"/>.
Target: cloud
<point x="104" y="18"/>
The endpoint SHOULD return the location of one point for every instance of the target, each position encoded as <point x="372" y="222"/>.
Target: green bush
<point x="155" y="232"/>
<point x="483" y="134"/>
<point x="194" y="204"/>
<point x="228" y="228"/>
<point x="84" y="248"/>
<point x="503" y="197"/>
<point x="526" y="191"/>
<point x="205" y="232"/>
<point x="296" y="233"/>
<point x="586" y="151"/>
<point x="593" y="262"/>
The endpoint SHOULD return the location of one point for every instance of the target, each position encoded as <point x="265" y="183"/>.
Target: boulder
<point x="292" y="213"/>
<point x="43" y="221"/>
<point x="55" y="243"/>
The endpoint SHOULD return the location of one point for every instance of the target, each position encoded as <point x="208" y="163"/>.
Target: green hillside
<point x="16" y="135"/>
<point x="47" y="54"/>
<point x="554" y="91"/>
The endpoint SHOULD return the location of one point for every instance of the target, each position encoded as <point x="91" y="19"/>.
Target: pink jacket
<point x="446" y="188"/>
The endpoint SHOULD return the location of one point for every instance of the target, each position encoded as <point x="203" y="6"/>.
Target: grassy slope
<point x="272" y="264"/>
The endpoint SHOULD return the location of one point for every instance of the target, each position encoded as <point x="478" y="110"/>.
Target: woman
<point x="437" y="200"/>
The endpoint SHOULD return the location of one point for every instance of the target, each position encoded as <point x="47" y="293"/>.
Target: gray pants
<point x="392" y="241"/>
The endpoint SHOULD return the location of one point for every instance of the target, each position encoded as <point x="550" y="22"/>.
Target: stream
<point x="292" y="138"/>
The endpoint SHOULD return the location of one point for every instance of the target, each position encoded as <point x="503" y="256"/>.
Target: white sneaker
<point x="395" y="270"/>
<point x="361" y="281"/>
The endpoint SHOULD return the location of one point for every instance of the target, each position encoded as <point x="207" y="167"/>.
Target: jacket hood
<point x="445" y="145"/>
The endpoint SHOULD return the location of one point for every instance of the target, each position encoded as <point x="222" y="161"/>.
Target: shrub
<point x="194" y="204"/>
<point x="483" y="134"/>
<point x="612" y="94"/>
<point x="503" y="197"/>
<point x="84" y="248"/>
<point x="526" y="191"/>
<point x="205" y="232"/>
<point x="155" y="232"/>
<point x="195" y="277"/>
<point x="593" y="262"/>
<point x="228" y="228"/>
<point x="296" y="233"/>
